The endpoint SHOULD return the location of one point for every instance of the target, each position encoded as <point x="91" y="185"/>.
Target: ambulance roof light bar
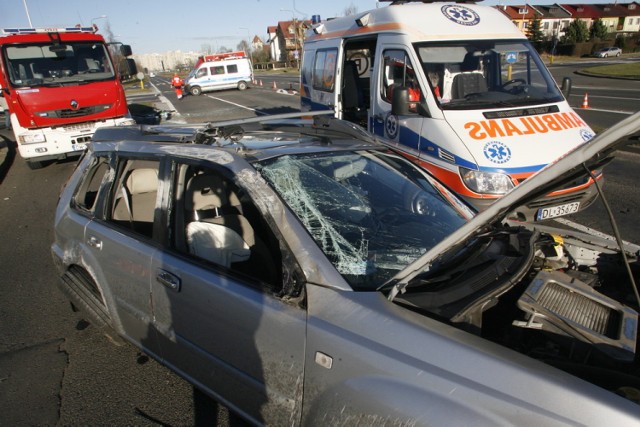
<point x="16" y="31"/>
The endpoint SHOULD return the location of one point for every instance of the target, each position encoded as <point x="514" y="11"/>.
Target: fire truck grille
<point x="69" y="113"/>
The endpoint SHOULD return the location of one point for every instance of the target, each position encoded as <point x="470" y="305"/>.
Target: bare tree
<point x="350" y="10"/>
<point x="244" y="45"/>
<point x="206" y="48"/>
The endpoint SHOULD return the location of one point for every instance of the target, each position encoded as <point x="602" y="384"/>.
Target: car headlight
<point x="127" y="122"/>
<point x="486" y="182"/>
<point x="31" y="138"/>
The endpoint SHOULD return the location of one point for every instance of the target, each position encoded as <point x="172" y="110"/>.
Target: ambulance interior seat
<point x="353" y="100"/>
<point x="470" y="79"/>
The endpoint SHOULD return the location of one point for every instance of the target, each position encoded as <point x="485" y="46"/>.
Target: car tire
<point x="606" y="55"/>
<point x="618" y="54"/>
<point x="195" y="91"/>
<point x="242" y="85"/>
<point x="83" y="293"/>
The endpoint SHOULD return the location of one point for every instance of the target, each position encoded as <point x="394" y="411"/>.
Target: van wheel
<point x="195" y="90"/>
<point x="33" y="165"/>
<point x="242" y="85"/>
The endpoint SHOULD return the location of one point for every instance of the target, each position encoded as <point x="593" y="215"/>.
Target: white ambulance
<point x="458" y="88"/>
<point x="229" y="70"/>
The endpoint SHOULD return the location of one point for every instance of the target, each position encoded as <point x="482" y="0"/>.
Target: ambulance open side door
<point x="320" y="83"/>
<point x="396" y="73"/>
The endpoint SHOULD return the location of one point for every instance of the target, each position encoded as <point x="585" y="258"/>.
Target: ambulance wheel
<point x="195" y="90"/>
<point x="242" y="85"/>
<point x="35" y="165"/>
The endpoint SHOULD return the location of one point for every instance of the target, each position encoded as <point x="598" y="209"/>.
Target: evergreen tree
<point x="534" y="33"/>
<point x="577" y="32"/>
<point x="598" y="30"/>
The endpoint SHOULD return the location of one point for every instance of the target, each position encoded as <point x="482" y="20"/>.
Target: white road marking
<point x="238" y="105"/>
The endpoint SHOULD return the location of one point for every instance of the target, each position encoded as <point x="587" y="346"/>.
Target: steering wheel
<point x="422" y="203"/>
<point x="513" y="82"/>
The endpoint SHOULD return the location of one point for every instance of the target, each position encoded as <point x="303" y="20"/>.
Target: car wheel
<point x="618" y="54"/>
<point x="78" y="286"/>
<point x="242" y="85"/>
<point x="605" y="55"/>
<point x="195" y="90"/>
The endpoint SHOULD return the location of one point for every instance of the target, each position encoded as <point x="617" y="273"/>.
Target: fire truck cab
<point x="60" y="84"/>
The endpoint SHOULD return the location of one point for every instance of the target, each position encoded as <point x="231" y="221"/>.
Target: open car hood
<point x="566" y="169"/>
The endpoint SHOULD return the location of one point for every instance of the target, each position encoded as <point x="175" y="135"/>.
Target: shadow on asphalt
<point x="8" y="159"/>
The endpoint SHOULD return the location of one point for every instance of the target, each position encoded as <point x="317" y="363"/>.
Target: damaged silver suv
<point x="303" y="272"/>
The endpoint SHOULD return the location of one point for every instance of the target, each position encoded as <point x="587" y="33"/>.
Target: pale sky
<point x="163" y="25"/>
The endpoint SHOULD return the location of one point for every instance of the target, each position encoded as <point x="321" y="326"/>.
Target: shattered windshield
<point x="486" y="74"/>
<point x="371" y="213"/>
<point x="58" y="64"/>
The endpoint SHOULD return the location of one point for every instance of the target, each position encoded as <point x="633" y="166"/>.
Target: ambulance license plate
<point x="556" y="211"/>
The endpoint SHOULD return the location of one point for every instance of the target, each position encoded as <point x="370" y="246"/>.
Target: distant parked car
<point x="309" y="274"/>
<point x="607" y="51"/>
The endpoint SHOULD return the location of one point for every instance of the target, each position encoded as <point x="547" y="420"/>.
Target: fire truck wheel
<point x="33" y="165"/>
<point x="242" y="85"/>
<point x="195" y="90"/>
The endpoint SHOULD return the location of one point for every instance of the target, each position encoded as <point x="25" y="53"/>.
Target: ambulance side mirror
<point x="400" y="101"/>
<point x="400" y="104"/>
<point x="566" y="86"/>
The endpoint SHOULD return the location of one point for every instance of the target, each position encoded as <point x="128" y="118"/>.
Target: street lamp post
<point x="96" y="18"/>
<point x="26" y="8"/>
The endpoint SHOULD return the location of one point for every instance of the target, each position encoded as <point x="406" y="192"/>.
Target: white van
<point x="459" y="89"/>
<point x="220" y="71"/>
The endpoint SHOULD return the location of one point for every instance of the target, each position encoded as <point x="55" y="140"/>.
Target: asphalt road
<point x="56" y="369"/>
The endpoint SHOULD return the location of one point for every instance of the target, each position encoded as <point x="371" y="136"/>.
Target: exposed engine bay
<point x="561" y="300"/>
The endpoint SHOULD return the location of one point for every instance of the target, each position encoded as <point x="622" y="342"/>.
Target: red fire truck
<point x="60" y="84"/>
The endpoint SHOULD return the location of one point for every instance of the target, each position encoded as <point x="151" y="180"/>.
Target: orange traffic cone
<point x="274" y="85"/>
<point x="585" y="102"/>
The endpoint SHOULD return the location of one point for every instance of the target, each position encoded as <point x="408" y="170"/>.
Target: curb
<point x="604" y="76"/>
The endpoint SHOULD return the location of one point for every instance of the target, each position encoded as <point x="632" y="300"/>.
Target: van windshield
<point x="70" y="63"/>
<point x="486" y="74"/>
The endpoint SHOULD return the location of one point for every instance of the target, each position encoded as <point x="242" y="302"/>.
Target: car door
<point x="395" y="68"/>
<point x="122" y="245"/>
<point x="219" y="319"/>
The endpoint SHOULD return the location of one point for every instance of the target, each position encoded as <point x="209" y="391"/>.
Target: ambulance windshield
<point x="486" y="74"/>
